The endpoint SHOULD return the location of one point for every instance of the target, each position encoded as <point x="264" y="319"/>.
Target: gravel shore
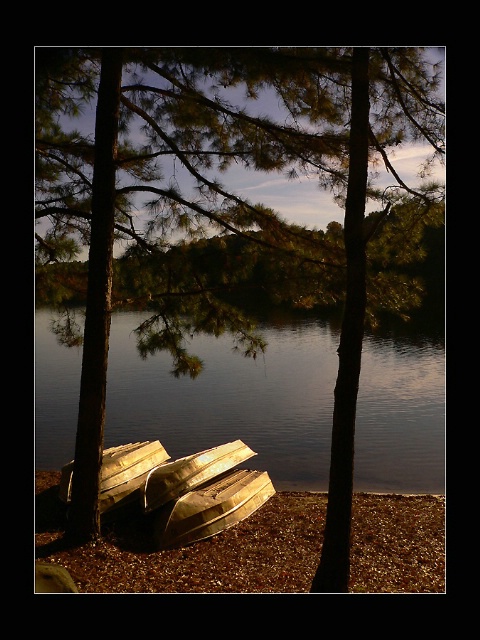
<point x="398" y="546"/>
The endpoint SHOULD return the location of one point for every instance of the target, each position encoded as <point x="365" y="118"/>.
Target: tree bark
<point x="84" y="518"/>
<point x="333" y="572"/>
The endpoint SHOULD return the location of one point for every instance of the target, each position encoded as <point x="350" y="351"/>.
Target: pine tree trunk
<point x="333" y="572"/>
<point x="84" y="518"/>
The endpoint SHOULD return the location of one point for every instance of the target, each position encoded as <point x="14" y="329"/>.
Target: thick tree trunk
<point x="333" y="572"/>
<point x="84" y="518"/>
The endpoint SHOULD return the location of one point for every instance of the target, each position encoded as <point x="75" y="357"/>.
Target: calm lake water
<point x="280" y="405"/>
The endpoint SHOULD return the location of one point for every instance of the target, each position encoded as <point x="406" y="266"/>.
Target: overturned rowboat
<point x="123" y="473"/>
<point x="211" y="508"/>
<point x="172" y="480"/>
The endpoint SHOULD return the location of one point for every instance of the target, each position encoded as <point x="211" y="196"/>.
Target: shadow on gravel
<point x="50" y="512"/>
<point x="132" y="532"/>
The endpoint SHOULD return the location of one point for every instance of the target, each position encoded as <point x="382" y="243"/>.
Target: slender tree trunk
<point x="333" y="573"/>
<point x="84" y="518"/>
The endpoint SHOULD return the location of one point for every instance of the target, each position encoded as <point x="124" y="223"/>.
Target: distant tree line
<point x="237" y="272"/>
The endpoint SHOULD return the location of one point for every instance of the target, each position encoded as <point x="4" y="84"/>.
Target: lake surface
<point x="280" y="405"/>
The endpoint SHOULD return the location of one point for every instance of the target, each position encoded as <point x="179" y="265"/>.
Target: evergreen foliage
<point x="192" y="110"/>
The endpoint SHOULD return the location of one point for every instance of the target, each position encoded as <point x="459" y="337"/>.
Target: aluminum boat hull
<point x="124" y="471"/>
<point x="210" y="509"/>
<point x="171" y="480"/>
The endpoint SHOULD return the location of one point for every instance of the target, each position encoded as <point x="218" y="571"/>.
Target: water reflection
<point x="280" y="405"/>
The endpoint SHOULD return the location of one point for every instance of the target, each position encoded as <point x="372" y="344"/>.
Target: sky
<point x="298" y="201"/>
<point x="302" y="202"/>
